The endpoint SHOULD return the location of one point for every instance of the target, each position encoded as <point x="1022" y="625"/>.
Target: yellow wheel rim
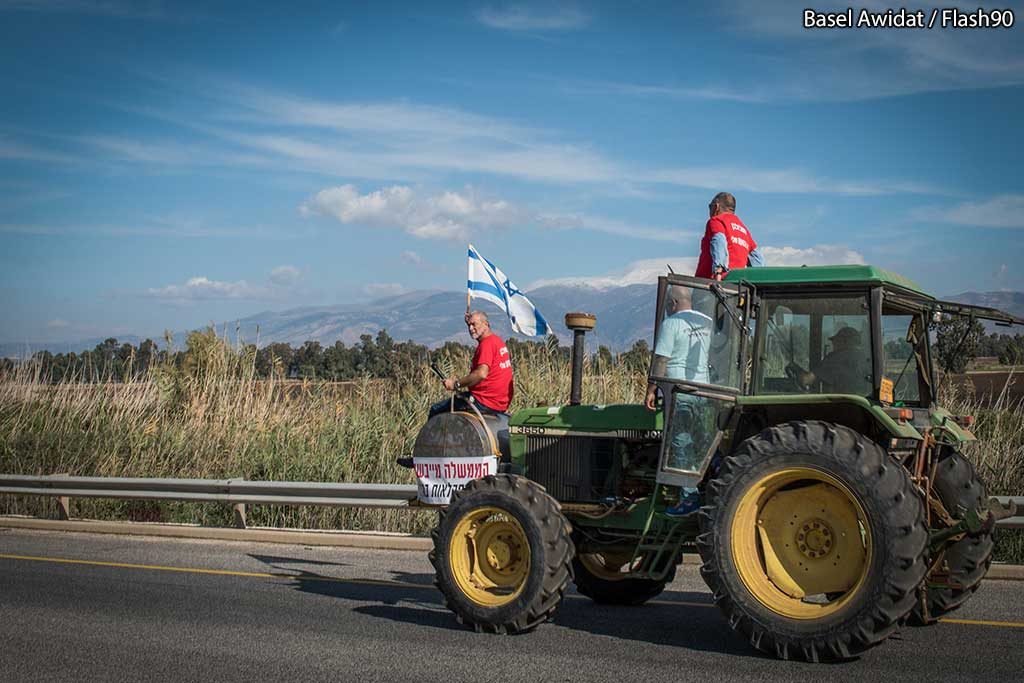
<point x="490" y="556"/>
<point x="611" y="565"/>
<point x="801" y="542"/>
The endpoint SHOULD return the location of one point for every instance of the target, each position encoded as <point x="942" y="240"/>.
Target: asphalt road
<point x="91" y="607"/>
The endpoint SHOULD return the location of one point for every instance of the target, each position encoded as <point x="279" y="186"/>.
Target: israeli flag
<point x="486" y="281"/>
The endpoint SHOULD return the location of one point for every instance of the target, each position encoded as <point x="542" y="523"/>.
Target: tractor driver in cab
<point x="490" y="376"/>
<point x="845" y="370"/>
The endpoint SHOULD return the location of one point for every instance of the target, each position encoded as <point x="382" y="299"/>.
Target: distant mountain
<point x="624" y="315"/>
<point x="1010" y="302"/>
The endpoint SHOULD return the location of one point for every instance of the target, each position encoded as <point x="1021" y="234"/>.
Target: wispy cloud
<point x="1001" y="211"/>
<point x="403" y="142"/>
<point x="136" y="9"/>
<point x="661" y="90"/>
<point x="57" y="324"/>
<point x="10" y="149"/>
<point x="540" y="18"/>
<point x="447" y="215"/>
<point x="781" y="181"/>
<point x="838" y="65"/>
<point x="610" y="226"/>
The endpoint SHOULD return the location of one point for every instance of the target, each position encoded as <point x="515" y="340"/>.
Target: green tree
<point x="957" y="340"/>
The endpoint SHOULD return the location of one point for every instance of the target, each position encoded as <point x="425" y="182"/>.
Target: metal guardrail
<point x="1012" y="522"/>
<point x="237" y="492"/>
<point x="241" y="492"/>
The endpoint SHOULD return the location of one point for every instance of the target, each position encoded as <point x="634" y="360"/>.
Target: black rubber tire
<point x="968" y="559"/>
<point x="893" y="512"/>
<point x="551" y="551"/>
<point x="617" y="591"/>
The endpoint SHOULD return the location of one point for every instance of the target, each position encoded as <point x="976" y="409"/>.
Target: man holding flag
<point x="490" y="376"/>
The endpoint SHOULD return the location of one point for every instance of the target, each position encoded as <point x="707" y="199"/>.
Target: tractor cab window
<point x="697" y="366"/>
<point x="819" y="344"/>
<point x="905" y="349"/>
<point x="697" y="337"/>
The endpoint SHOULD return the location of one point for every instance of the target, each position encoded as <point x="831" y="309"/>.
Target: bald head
<point x="478" y="324"/>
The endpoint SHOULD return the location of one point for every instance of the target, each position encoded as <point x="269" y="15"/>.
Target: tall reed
<point x="212" y="417"/>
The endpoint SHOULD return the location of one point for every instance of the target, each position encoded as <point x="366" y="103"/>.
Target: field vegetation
<point x="210" y="411"/>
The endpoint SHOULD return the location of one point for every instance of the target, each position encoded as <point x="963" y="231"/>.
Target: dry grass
<point x="213" y="418"/>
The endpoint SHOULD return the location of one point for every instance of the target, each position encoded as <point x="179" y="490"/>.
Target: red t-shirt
<point x="737" y="237"/>
<point x="495" y="390"/>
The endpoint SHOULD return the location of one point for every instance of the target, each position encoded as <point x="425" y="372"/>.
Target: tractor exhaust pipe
<point x="580" y="324"/>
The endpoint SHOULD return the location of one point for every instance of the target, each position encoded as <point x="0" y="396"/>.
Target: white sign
<point x="439" y="478"/>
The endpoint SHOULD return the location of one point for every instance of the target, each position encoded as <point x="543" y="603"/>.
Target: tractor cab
<point x="847" y="344"/>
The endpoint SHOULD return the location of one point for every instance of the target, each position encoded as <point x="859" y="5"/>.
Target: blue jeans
<point x="689" y="442"/>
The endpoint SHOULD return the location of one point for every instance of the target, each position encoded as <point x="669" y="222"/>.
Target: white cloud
<point x="380" y="290"/>
<point x="204" y="289"/>
<point x="1001" y="211"/>
<point x="647" y="271"/>
<point x="636" y="273"/>
<point x="523" y="18"/>
<point x="448" y="215"/>
<point x="285" y="276"/>
<point x="58" y="324"/>
<point x="818" y="255"/>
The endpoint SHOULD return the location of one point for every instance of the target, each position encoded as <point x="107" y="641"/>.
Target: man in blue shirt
<point x="681" y="352"/>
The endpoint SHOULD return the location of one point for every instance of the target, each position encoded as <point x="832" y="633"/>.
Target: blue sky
<point x="166" y="165"/>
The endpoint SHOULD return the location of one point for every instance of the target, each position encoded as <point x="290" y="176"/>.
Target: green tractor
<point x="800" y="405"/>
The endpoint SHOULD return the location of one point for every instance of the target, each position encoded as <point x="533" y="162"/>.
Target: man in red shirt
<point x="727" y="243"/>
<point x="490" y="377"/>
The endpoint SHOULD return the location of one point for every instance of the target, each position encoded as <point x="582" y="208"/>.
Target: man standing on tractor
<point x="681" y="351"/>
<point x="727" y="243"/>
<point x="490" y="376"/>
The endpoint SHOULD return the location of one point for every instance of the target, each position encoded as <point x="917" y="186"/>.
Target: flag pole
<point x="468" y="290"/>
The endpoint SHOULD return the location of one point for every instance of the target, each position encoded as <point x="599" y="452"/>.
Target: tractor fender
<point x="855" y="412"/>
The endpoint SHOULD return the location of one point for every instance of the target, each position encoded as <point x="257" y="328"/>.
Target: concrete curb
<point x="347" y="539"/>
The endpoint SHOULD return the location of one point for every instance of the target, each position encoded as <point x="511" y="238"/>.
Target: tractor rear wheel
<point x="502" y="554"/>
<point x="959" y="567"/>
<point x="604" y="578"/>
<point x="813" y="541"/>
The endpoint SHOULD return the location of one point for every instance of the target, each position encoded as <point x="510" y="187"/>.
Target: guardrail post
<point x="64" y="508"/>
<point x="239" y="515"/>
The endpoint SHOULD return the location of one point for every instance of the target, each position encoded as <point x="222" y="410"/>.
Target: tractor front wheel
<point x="813" y="541"/>
<point x="502" y="554"/>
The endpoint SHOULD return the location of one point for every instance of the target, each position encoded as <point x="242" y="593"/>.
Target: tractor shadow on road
<point x="676" y="618"/>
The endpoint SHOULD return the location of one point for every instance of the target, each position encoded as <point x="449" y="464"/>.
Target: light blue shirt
<point x="720" y="253"/>
<point x="684" y="338"/>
